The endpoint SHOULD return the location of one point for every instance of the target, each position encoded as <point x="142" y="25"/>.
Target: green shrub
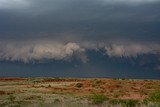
<point x="98" y="98"/>
<point x="115" y="78"/>
<point x="124" y="103"/>
<point x="155" y="97"/>
<point x="97" y="83"/>
<point x="79" y="85"/>
<point x="35" y="81"/>
<point x="11" y="98"/>
<point x="49" y="86"/>
<point x="114" y="101"/>
<point x="129" y="103"/>
<point x="146" y="101"/>
<point x="123" y="79"/>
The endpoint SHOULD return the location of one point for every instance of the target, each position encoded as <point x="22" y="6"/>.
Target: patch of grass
<point x="129" y="103"/>
<point x="98" y="98"/>
<point x="155" y="97"/>
<point x="11" y="98"/>
<point x="57" y="100"/>
<point x="146" y="101"/>
<point x="33" y="97"/>
<point x="15" y="105"/>
<point x="125" y="103"/>
<point x="42" y="101"/>
<point x="114" y="101"/>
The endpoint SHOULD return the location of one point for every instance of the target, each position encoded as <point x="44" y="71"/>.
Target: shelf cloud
<point x="132" y="50"/>
<point x="37" y="50"/>
<point x="136" y="1"/>
<point x="62" y="29"/>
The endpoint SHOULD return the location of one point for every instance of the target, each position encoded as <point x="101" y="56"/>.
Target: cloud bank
<point x="130" y="2"/>
<point x="37" y="50"/>
<point x="132" y="50"/>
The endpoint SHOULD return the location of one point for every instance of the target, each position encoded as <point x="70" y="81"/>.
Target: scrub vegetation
<point x="70" y="92"/>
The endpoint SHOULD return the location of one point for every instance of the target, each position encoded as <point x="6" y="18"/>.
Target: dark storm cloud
<point x="121" y="27"/>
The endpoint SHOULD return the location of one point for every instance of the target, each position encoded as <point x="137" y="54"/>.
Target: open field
<point x="63" y="92"/>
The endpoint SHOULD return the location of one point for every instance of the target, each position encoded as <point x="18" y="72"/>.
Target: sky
<point x="80" y="38"/>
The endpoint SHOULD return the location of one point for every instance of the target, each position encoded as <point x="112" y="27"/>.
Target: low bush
<point x="155" y="97"/>
<point x="57" y="101"/>
<point x="33" y="97"/>
<point x="49" y="86"/>
<point x="79" y="85"/>
<point x="124" y="103"/>
<point x="129" y="103"/>
<point x="98" y="98"/>
<point x="11" y="98"/>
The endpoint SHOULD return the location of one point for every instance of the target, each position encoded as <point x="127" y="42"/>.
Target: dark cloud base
<point x="99" y="65"/>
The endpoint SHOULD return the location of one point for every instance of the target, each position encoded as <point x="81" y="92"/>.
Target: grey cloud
<point x="130" y="1"/>
<point x="124" y="48"/>
<point x="14" y="4"/>
<point x="131" y="50"/>
<point x="38" y="50"/>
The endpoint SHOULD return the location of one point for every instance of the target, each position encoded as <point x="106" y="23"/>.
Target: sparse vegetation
<point x="101" y="92"/>
<point x="97" y="83"/>
<point x="129" y="103"/>
<point x="98" y="98"/>
<point x="57" y="100"/>
<point x="125" y="102"/>
<point x="155" y="97"/>
<point x="11" y="98"/>
<point x="33" y="97"/>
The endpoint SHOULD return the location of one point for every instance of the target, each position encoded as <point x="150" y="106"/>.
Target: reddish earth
<point x="121" y="89"/>
<point x="12" y="79"/>
<point x="115" y="89"/>
<point x="2" y="92"/>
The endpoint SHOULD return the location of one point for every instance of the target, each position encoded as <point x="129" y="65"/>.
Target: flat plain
<point x="79" y="92"/>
